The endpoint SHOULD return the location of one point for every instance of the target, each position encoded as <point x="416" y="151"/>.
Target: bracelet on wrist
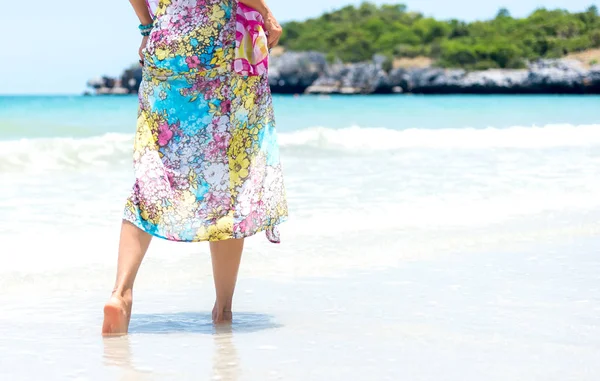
<point x="146" y="29"/>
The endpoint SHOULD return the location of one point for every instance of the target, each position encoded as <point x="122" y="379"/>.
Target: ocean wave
<point x="43" y="154"/>
<point x="382" y="139"/>
<point x="114" y="149"/>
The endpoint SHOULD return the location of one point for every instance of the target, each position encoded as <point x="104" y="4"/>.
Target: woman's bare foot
<point x="222" y="315"/>
<point x="133" y="245"/>
<point x="117" y="313"/>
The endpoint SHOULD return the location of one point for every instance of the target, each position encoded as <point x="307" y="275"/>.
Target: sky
<point x="54" y="47"/>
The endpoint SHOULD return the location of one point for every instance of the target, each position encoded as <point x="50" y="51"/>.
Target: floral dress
<point x="206" y="158"/>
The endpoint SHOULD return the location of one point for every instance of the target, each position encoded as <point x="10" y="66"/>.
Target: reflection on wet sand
<point x="226" y="364"/>
<point x="117" y="353"/>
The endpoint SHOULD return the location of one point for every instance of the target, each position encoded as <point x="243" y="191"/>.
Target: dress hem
<point x="140" y="226"/>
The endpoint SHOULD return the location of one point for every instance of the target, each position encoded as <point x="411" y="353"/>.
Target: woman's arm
<point x="141" y="10"/>
<point x="271" y="25"/>
<point x="259" y="5"/>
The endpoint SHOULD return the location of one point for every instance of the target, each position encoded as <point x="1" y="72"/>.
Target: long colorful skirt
<point x="206" y="158"/>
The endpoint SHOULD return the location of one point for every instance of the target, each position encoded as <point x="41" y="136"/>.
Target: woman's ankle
<point x="224" y="304"/>
<point x="125" y="294"/>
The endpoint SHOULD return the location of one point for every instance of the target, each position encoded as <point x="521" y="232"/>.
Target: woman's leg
<point x="133" y="245"/>
<point x="226" y="257"/>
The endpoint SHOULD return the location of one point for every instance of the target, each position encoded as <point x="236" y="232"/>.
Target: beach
<point x="525" y="315"/>
<point x="430" y="238"/>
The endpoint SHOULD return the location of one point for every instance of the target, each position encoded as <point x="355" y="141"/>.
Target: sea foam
<point x="44" y="154"/>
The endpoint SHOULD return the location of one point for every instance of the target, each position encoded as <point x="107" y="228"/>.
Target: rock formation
<point x="541" y="77"/>
<point x="309" y="72"/>
<point x="294" y="72"/>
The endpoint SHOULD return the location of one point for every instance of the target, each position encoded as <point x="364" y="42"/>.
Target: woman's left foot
<point x="116" y="316"/>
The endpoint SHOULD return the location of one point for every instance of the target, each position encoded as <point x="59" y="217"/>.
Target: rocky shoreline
<point x="309" y="73"/>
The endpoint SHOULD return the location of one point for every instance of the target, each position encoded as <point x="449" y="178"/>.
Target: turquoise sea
<point x="430" y="238"/>
<point x="76" y="116"/>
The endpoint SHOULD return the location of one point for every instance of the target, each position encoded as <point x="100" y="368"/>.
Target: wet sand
<point x="527" y="314"/>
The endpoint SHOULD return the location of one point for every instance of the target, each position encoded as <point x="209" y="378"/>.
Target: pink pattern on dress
<point x="251" y="50"/>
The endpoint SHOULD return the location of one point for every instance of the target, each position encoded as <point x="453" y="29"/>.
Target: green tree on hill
<point x="356" y="33"/>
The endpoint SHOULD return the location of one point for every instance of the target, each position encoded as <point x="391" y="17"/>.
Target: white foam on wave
<point x="113" y="148"/>
<point x="44" y="154"/>
<point x="381" y="139"/>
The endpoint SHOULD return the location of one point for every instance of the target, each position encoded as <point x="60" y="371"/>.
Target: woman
<point x="206" y="159"/>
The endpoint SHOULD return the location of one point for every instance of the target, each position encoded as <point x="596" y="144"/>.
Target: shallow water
<point x="526" y="314"/>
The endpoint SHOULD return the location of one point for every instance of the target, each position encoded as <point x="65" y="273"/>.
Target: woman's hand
<point x="141" y="50"/>
<point x="273" y="30"/>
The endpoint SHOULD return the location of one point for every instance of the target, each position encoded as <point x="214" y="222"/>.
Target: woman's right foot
<point x="222" y="315"/>
<point x="117" y="313"/>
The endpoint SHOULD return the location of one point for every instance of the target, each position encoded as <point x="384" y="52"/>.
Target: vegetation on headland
<point x="355" y="34"/>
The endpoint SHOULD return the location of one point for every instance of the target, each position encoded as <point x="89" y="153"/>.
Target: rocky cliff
<point x="541" y="77"/>
<point x="309" y="72"/>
